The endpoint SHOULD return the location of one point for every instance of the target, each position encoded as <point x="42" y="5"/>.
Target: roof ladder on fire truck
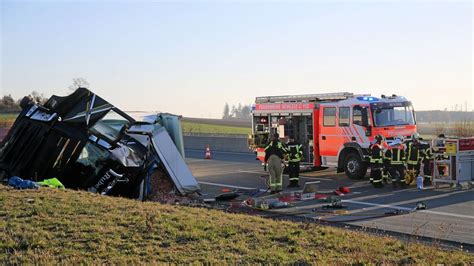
<point x="305" y="97"/>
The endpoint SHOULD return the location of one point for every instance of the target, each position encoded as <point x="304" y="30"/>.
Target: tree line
<point x="9" y="105"/>
<point x="236" y="112"/>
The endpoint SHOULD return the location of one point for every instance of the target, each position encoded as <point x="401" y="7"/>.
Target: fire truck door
<point x="302" y="130"/>
<point x="329" y="135"/>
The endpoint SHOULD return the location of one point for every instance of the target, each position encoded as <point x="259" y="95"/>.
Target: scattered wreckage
<point x="87" y="143"/>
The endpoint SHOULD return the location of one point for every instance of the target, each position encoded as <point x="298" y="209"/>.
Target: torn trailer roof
<point x="87" y="143"/>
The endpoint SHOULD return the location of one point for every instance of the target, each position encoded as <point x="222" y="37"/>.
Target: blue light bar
<point x="368" y="99"/>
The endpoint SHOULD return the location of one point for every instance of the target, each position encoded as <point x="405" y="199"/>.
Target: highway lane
<point x="248" y="157"/>
<point x="449" y="216"/>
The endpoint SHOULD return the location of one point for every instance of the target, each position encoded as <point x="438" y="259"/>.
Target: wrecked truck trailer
<point x="89" y="144"/>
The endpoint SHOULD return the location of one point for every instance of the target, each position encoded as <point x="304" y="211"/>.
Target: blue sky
<point x="191" y="57"/>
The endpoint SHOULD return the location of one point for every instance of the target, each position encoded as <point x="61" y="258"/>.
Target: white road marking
<point x="301" y="177"/>
<point x="253" y="172"/>
<point x="408" y="209"/>
<point x="378" y="205"/>
<point x="229" y="186"/>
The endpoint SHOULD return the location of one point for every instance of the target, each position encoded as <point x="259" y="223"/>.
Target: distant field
<point x="7" y="119"/>
<point x="192" y="127"/>
<point x="214" y="126"/>
<point x="221" y="122"/>
<point x="463" y="128"/>
<point x="242" y="127"/>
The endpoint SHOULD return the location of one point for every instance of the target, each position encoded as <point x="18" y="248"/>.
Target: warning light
<point x="368" y="99"/>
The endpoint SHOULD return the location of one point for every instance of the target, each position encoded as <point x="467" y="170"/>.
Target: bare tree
<point x="78" y="83"/>
<point x="38" y="97"/>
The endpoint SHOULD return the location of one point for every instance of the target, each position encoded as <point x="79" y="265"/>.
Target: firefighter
<point x="376" y="157"/>
<point x="274" y="153"/>
<point x="386" y="162"/>
<point x="427" y="164"/>
<point x="442" y="156"/>
<point x="295" y="154"/>
<point x="413" y="154"/>
<point x="396" y="157"/>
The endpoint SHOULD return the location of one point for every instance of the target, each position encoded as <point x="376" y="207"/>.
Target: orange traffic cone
<point x="208" y="152"/>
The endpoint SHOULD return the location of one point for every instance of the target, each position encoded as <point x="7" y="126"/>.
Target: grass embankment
<point x="51" y="226"/>
<point x="191" y="127"/>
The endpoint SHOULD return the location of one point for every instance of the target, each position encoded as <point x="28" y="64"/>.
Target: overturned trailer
<point x="87" y="143"/>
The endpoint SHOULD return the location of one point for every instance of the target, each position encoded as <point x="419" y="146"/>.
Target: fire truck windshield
<point x="393" y="116"/>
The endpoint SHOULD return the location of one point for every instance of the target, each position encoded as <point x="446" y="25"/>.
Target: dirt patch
<point x="164" y="191"/>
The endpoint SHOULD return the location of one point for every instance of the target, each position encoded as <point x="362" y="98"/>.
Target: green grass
<point x="7" y="116"/>
<point x="7" y="119"/>
<point x="190" y="127"/>
<point x="49" y="226"/>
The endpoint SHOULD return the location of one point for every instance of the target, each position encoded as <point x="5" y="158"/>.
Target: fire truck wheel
<point x="354" y="167"/>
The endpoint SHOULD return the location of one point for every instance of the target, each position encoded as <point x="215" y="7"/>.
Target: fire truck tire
<point x="354" y="167"/>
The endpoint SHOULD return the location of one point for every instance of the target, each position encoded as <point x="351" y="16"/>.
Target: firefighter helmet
<point x="415" y="136"/>
<point x="378" y="138"/>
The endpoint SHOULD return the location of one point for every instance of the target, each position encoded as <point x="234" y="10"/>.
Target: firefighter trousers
<point x="376" y="176"/>
<point x="276" y="171"/>
<point x="294" y="172"/>
<point x="427" y="170"/>
<point x="397" y="172"/>
<point x="385" y="171"/>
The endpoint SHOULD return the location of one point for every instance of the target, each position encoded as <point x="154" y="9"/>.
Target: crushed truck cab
<point x="335" y="129"/>
<point x="87" y="143"/>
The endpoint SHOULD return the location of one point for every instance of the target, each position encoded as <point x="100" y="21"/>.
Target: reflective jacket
<point x="295" y="152"/>
<point x="275" y="148"/>
<point x="413" y="153"/>
<point x="376" y="155"/>
<point x="428" y="154"/>
<point x="396" y="155"/>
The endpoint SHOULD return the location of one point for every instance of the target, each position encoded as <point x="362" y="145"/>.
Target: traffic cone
<point x="208" y="152"/>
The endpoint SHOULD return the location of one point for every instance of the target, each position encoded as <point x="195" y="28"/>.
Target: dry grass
<point x="453" y="129"/>
<point x="64" y="226"/>
<point x="464" y="128"/>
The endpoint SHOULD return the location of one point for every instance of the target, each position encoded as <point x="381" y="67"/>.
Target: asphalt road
<point x="223" y="156"/>
<point x="449" y="215"/>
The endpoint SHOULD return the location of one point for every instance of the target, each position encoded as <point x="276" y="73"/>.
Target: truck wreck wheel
<point x="354" y="167"/>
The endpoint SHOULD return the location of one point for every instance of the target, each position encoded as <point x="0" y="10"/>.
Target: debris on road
<point x="341" y="191"/>
<point x="227" y="196"/>
<point x="52" y="182"/>
<point x="19" y="183"/>
<point x="207" y="154"/>
<point x="87" y="143"/>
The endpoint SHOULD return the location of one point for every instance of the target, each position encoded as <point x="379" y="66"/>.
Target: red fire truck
<point x="335" y="129"/>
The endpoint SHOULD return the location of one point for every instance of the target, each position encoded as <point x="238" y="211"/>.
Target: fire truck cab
<point x="335" y="129"/>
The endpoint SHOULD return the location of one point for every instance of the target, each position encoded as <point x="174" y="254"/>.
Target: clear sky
<point x="191" y="57"/>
